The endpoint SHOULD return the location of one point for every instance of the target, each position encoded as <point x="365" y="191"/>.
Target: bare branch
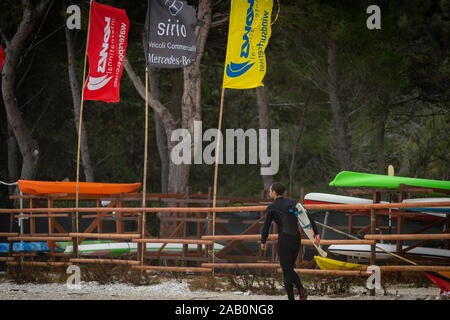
<point x="220" y="22"/>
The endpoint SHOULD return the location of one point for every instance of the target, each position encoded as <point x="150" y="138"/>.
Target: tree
<point x="178" y="176"/>
<point x="76" y="98"/>
<point x="263" y="117"/>
<point x="29" y="147"/>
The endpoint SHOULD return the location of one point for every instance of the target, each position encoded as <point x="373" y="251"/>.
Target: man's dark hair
<point x="278" y="188"/>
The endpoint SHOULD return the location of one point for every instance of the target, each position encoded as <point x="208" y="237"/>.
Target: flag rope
<point x="144" y="182"/>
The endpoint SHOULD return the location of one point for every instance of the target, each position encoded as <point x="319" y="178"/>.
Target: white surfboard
<point x="307" y="228"/>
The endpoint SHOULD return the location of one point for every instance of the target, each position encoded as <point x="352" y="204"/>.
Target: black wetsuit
<point x="288" y="240"/>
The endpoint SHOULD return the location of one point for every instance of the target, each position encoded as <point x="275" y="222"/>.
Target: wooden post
<point x="216" y="171"/>
<point x="400" y="225"/>
<point x="209" y="214"/>
<point x="325" y="222"/>
<point x="142" y="218"/>
<point x="75" y="219"/>
<point x="31" y="219"/>
<point x="51" y="230"/>
<point x="447" y="229"/>
<point x="351" y="219"/>
<point x="185" y="229"/>
<point x="302" y="194"/>
<point x="373" y="226"/>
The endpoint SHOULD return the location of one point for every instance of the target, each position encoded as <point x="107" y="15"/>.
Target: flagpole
<point x="144" y="182"/>
<point x="75" y="247"/>
<point x="216" y="170"/>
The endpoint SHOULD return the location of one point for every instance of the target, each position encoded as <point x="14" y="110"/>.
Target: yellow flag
<point x="248" y="35"/>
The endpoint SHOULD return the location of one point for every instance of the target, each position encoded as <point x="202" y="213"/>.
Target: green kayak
<point x="358" y="179"/>
<point x="64" y="244"/>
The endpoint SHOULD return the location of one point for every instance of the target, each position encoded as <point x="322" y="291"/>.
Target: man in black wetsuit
<point x="288" y="237"/>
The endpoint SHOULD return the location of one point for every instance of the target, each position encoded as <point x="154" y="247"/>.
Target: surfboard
<point x="121" y="248"/>
<point x="301" y="215"/>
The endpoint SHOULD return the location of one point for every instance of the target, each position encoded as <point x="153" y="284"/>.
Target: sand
<point x="169" y="289"/>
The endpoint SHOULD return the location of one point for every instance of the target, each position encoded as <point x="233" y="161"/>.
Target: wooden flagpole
<point x="75" y="244"/>
<point x="144" y="182"/>
<point x="216" y="170"/>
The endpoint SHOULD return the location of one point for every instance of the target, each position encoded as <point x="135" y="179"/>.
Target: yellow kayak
<point x="330" y="264"/>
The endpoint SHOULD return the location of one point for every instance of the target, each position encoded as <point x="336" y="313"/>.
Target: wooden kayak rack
<point x="188" y="219"/>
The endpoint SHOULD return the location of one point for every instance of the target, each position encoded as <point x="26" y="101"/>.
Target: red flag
<point x="2" y="58"/>
<point x="106" y="51"/>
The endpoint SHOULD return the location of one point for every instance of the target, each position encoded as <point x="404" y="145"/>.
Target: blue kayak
<point x="27" y="247"/>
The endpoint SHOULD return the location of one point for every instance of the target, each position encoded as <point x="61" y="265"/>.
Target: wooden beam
<point x="39" y="238"/>
<point x="174" y="269"/>
<point x="335" y="207"/>
<point x="224" y="230"/>
<point x="331" y="272"/>
<point x="414" y="268"/>
<point x="106" y="235"/>
<point x="8" y="234"/>
<point x="172" y="240"/>
<point x="272" y="237"/>
<point x="237" y="243"/>
<point x="438" y="236"/>
<point x="6" y="258"/>
<point x="39" y="264"/>
<point x="104" y="261"/>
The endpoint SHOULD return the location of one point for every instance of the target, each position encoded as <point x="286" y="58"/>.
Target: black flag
<point x="172" y="42"/>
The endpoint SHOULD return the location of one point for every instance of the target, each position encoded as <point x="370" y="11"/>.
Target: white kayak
<point x="328" y="198"/>
<point x="363" y="251"/>
<point x="434" y="211"/>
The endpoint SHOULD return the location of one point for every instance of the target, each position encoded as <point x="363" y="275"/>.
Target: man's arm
<point x="266" y="226"/>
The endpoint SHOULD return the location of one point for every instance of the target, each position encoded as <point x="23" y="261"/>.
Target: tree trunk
<point x="178" y="176"/>
<point x="191" y="100"/>
<point x="13" y="159"/>
<point x="296" y="142"/>
<point x="340" y="126"/>
<point x="161" y="138"/>
<point x="167" y="121"/>
<point x="379" y="142"/>
<point x="76" y="98"/>
<point x="28" y="147"/>
<point x="263" y="117"/>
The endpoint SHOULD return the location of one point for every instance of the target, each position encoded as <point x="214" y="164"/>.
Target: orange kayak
<point x="48" y="187"/>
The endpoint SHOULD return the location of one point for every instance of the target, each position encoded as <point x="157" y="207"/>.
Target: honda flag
<point x="107" y="46"/>
<point x="2" y="58"/>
